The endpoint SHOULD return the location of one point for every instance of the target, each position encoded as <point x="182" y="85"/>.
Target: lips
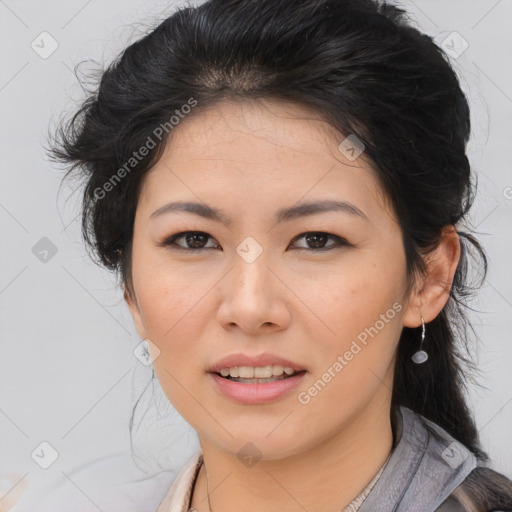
<point x="265" y="359"/>
<point x="256" y="393"/>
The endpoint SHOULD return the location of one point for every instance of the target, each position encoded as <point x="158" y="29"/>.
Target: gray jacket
<point x="428" y="471"/>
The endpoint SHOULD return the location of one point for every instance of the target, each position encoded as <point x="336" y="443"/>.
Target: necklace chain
<point x="192" y="509"/>
<point x="207" y="489"/>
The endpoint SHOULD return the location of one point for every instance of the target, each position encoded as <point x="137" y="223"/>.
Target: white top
<point x="179" y="495"/>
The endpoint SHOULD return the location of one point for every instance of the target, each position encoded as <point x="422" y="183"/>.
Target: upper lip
<point x="253" y="360"/>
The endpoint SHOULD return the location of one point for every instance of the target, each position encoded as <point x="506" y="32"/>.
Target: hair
<point x="365" y="70"/>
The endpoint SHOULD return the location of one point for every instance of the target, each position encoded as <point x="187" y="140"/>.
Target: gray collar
<point x="426" y="465"/>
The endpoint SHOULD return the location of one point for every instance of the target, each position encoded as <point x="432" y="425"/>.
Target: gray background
<point x="67" y="372"/>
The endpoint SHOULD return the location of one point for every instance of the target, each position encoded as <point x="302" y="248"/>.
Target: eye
<point x="196" y="240"/>
<point x="318" y="240"/>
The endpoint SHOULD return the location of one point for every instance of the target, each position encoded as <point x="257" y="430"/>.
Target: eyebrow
<point x="283" y="215"/>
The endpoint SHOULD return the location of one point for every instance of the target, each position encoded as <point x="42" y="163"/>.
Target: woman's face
<point x="317" y="289"/>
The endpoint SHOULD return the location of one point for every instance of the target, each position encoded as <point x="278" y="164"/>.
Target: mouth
<point x="258" y="374"/>
<point x="256" y="390"/>
<point x="256" y="379"/>
<point x="258" y="368"/>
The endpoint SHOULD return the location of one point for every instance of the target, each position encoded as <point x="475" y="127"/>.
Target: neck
<point x="324" y="479"/>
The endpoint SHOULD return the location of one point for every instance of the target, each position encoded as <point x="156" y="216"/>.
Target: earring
<point x="420" y="356"/>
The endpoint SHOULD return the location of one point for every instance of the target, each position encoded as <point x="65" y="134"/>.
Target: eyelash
<point x="170" y="241"/>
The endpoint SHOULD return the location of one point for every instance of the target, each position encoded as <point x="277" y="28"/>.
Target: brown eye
<point x="194" y="241"/>
<point x="317" y="241"/>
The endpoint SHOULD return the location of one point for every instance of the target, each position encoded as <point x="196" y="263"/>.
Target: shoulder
<point x="483" y="490"/>
<point x="463" y="481"/>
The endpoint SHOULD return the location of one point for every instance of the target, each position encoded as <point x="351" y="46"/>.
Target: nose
<point x="253" y="296"/>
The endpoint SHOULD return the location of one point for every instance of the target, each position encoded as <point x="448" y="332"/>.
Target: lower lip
<point x="256" y="393"/>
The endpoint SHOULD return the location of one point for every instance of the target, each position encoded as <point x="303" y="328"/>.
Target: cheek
<point x="353" y="366"/>
<point x="359" y="316"/>
<point x="165" y="295"/>
<point x="174" y="323"/>
<point x="353" y="299"/>
<point x="174" y="320"/>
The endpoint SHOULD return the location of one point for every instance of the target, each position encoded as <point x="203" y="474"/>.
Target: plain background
<point x="68" y="376"/>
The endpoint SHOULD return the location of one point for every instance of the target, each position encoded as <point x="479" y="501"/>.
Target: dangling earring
<point x="420" y="356"/>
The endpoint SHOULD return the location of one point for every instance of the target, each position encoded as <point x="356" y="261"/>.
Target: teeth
<point x="259" y="372"/>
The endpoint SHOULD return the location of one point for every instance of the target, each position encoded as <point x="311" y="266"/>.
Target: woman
<point x="281" y="188"/>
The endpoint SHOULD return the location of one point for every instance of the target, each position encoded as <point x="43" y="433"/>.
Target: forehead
<point x="259" y="153"/>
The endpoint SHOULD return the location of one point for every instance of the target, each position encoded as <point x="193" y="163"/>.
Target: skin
<point x="251" y="159"/>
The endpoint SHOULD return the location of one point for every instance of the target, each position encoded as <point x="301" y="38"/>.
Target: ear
<point x="134" y="308"/>
<point x="433" y="290"/>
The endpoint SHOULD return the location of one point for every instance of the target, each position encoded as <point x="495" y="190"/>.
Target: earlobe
<point x="433" y="290"/>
